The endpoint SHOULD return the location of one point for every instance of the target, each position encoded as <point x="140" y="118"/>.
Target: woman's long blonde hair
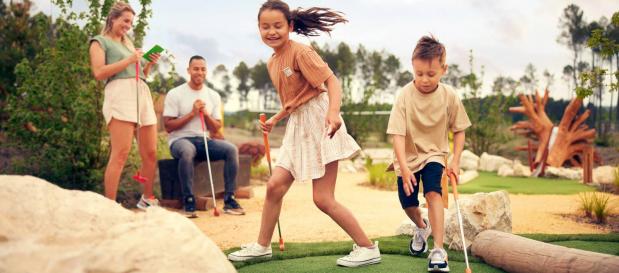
<point x="115" y="12"/>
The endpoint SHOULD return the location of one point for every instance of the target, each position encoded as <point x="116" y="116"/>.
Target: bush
<point x="381" y="178"/>
<point x="54" y="118"/>
<point x="586" y="203"/>
<point x="596" y="204"/>
<point x="601" y="207"/>
<point x="259" y="172"/>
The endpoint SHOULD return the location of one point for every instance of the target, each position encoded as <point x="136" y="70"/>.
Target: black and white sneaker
<point x="419" y="242"/>
<point x="190" y="206"/>
<point x="437" y="261"/>
<point x="145" y="203"/>
<point x="233" y="207"/>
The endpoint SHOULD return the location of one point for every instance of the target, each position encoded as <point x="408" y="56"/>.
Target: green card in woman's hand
<point x="153" y="50"/>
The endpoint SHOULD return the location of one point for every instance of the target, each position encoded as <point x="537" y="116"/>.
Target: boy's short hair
<point x="428" y="48"/>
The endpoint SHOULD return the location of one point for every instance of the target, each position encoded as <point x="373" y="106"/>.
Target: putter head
<point x="281" y="244"/>
<point x="139" y="178"/>
<point x="215" y="212"/>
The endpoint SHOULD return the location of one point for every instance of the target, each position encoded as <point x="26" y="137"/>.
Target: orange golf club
<point x="138" y="177"/>
<point x="267" y="151"/>
<point x="454" y="187"/>
<point x="208" y="162"/>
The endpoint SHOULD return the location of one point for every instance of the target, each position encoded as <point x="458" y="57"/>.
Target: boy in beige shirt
<point x="422" y="116"/>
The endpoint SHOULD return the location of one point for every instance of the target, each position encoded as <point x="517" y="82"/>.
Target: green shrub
<point x="601" y="207"/>
<point x="259" y="172"/>
<point x="380" y="178"/>
<point x="586" y="202"/>
<point x="54" y="116"/>
<point x="596" y="204"/>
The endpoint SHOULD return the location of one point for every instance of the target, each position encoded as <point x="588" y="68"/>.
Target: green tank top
<point x="114" y="52"/>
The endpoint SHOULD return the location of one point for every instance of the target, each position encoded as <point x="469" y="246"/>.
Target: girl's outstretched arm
<point x="333" y="120"/>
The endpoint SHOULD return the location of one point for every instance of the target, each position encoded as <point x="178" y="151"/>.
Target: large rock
<point x="48" y="229"/>
<point x="467" y="176"/>
<point x="604" y="175"/>
<point x="492" y="163"/>
<point x="521" y="170"/>
<point x="515" y="169"/>
<point x="469" y="160"/>
<point x="480" y="211"/>
<point x="571" y="174"/>
<point x="505" y="170"/>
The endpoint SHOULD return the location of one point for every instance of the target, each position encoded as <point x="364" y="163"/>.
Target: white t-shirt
<point x="179" y="102"/>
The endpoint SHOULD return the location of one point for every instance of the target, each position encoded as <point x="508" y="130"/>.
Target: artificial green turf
<point x="389" y="263"/>
<point x="489" y="182"/>
<point x="321" y="257"/>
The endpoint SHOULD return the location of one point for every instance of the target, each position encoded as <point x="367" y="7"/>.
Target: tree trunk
<point x="612" y="97"/>
<point x="573" y="136"/>
<point x="538" y="124"/>
<point x="517" y="254"/>
<point x="617" y="105"/>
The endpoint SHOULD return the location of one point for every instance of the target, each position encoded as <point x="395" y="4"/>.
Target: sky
<point x="504" y="35"/>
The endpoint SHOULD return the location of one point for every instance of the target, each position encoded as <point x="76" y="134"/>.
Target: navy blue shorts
<point x="430" y="176"/>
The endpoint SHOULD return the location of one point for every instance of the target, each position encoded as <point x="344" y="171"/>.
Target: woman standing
<point x="113" y="58"/>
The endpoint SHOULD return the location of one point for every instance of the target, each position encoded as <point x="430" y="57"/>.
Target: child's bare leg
<point x="436" y="215"/>
<point x="414" y="213"/>
<point x="278" y="185"/>
<point x="324" y="198"/>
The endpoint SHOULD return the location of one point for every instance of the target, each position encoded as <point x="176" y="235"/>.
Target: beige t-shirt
<point x="425" y="120"/>
<point x="298" y="74"/>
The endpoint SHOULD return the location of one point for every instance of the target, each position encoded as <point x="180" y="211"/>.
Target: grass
<point x="489" y="182"/>
<point x="321" y="257"/>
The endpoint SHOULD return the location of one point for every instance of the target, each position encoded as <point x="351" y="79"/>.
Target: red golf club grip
<point x="267" y="149"/>
<point x="202" y="120"/>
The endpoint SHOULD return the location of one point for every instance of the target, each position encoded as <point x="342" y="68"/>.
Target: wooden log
<point x="517" y="254"/>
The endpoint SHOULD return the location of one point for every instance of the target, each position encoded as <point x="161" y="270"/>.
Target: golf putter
<point x="267" y="150"/>
<point x="138" y="177"/>
<point x="208" y="162"/>
<point x="454" y="188"/>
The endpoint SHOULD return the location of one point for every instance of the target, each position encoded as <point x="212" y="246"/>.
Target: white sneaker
<point x="145" y="203"/>
<point x="360" y="256"/>
<point x="419" y="242"/>
<point x="437" y="261"/>
<point x="250" y="252"/>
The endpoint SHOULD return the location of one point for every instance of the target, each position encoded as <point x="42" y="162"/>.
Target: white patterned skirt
<point x="306" y="147"/>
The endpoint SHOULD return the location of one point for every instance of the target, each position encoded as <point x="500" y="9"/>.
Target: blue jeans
<point x="188" y="149"/>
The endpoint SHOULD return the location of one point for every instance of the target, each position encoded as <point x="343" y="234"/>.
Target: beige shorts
<point x="306" y="148"/>
<point x="120" y="102"/>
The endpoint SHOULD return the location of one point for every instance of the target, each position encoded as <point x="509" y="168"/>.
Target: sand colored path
<point x="378" y="212"/>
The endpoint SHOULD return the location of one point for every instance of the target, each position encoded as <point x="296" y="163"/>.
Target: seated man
<point x="181" y="118"/>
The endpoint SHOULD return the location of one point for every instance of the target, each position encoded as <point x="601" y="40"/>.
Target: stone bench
<point x="171" y="186"/>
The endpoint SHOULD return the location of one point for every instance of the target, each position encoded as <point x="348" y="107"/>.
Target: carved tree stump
<point x="573" y="136"/>
<point x="517" y="254"/>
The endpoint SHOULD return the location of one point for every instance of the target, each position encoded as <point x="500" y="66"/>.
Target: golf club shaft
<point x="267" y="152"/>
<point x="454" y="187"/>
<point x="208" y="161"/>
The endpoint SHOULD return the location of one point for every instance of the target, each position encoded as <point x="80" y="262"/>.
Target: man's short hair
<point x="196" y="57"/>
<point x="428" y="48"/>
